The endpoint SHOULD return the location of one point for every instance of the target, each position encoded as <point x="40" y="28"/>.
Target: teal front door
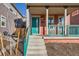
<point x="35" y="25"/>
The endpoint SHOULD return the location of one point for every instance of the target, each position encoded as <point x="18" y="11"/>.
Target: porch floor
<point x="62" y="49"/>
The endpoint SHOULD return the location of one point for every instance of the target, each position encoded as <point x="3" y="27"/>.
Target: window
<point x="61" y="20"/>
<point x="51" y="20"/>
<point x="2" y="21"/>
<point x="11" y="10"/>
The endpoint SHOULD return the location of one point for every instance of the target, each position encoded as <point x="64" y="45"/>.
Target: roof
<point x="54" y="8"/>
<point x="13" y="4"/>
<point x="53" y="4"/>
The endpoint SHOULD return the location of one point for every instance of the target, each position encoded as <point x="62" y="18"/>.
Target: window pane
<point x="61" y="20"/>
<point x="3" y="21"/>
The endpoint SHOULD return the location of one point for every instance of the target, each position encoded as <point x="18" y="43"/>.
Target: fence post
<point x="17" y="43"/>
<point x="2" y="45"/>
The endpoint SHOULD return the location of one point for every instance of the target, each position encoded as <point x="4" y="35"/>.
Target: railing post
<point x="47" y="19"/>
<point x="65" y="23"/>
<point x="28" y="17"/>
<point x="10" y="46"/>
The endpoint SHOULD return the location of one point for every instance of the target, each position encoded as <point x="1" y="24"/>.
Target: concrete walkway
<point x="36" y="46"/>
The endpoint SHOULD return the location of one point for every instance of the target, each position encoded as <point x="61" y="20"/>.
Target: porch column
<point x="28" y="17"/>
<point x="47" y="19"/>
<point x="65" y="22"/>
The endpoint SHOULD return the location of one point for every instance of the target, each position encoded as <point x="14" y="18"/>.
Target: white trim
<point x="36" y="16"/>
<point x="28" y="18"/>
<point x="65" y="15"/>
<point x="47" y="20"/>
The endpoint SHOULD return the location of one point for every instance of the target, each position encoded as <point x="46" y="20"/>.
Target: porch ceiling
<point x="53" y="4"/>
<point x="57" y="8"/>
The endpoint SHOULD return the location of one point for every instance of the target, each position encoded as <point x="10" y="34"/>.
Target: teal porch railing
<point x="26" y="41"/>
<point x="73" y="30"/>
<point x="58" y="30"/>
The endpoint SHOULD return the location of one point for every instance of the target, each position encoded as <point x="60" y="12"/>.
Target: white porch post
<point x="47" y="19"/>
<point x="28" y="18"/>
<point x="65" y="17"/>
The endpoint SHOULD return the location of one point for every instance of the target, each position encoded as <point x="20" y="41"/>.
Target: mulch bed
<point x="62" y="49"/>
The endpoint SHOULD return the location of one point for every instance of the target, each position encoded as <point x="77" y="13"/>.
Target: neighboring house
<point x="8" y="13"/>
<point x="53" y="19"/>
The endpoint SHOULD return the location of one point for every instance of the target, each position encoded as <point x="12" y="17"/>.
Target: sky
<point x="22" y="8"/>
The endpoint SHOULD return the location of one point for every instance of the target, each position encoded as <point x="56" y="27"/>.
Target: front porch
<point x="51" y="20"/>
<point x="53" y="23"/>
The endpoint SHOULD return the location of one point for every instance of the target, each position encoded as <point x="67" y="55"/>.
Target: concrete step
<point x="36" y="54"/>
<point x="41" y="41"/>
<point x="35" y="37"/>
<point x="36" y="47"/>
<point x="36" y="50"/>
<point x="32" y="44"/>
<point x="36" y="43"/>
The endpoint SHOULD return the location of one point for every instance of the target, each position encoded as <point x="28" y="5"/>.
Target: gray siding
<point x="10" y="26"/>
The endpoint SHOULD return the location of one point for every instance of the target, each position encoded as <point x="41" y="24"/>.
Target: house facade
<point x="53" y="19"/>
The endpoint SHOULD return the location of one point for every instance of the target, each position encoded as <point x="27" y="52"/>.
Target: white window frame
<point x="3" y="20"/>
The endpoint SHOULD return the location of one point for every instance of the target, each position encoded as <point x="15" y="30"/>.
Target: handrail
<point x="56" y="30"/>
<point x="26" y="41"/>
<point x="72" y="30"/>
